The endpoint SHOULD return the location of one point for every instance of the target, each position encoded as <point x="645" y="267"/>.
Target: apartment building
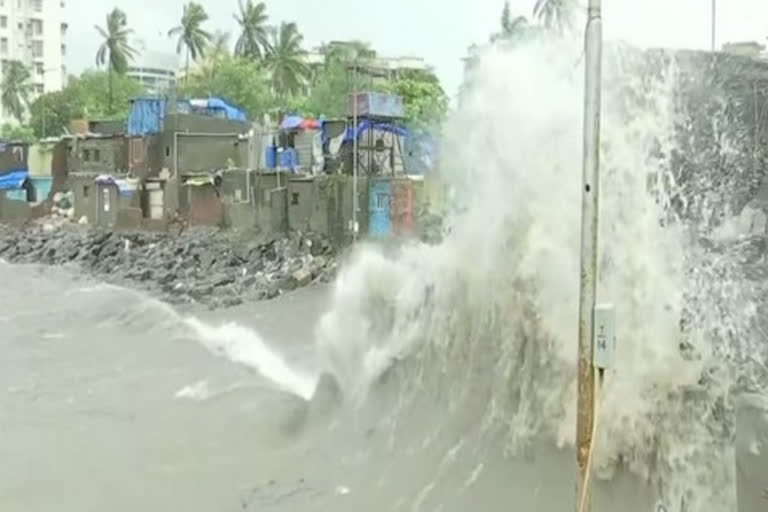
<point x="34" y="32"/>
<point x="156" y="71"/>
<point x="383" y="66"/>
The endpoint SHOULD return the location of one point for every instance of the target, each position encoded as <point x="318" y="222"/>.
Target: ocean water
<point x="430" y="378"/>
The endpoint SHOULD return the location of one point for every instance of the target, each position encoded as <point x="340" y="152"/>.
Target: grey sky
<point x="438" y="30"/>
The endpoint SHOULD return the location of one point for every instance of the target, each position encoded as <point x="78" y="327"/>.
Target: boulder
<point x="302" y="277"/>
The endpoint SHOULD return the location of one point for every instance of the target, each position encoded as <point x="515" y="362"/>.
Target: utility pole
<point x="585" y="418"/>
<point x="354" y="152"/>
<point x="714" y="24"/>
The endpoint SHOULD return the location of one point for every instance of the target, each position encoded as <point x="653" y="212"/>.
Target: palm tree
<point x="16" y="89"/>
<point x="115" y="51"/>
<point x="284" y="60"/>
<point x="253" y="30"/>
<point x="190" y="33"/>
<point x="555" y="14"/>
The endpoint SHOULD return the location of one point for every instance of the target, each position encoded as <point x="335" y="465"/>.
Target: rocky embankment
<point x="206" y="266"/>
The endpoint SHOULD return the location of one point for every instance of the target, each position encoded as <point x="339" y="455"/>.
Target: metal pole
<point x="354" y="152"/>
<point x="714" y="23"/>
<point x="589" y="225"/>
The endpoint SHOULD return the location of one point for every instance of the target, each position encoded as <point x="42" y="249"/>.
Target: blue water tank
<point x="286" y="158"/>
<point x="270" y="156"/>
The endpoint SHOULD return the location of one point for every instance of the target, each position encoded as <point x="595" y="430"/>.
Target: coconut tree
<point x="284" y="60"/>
<point x="555" y="14"/>
<point x="253" y="39"/>
<point x="512" y="26"/>
<point x="115" y="51"/>
<point x="15" y="89"/>
<point x="190" y="33"/>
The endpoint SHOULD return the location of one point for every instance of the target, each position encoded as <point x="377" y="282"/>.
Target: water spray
<point x="585" y="419"/>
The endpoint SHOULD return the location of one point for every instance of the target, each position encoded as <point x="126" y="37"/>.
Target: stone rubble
<point x="208" y="266"/>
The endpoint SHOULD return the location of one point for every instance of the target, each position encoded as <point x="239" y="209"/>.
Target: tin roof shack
<point x="303" y="137"/>
<point x="201" y="200"/>
<point x="193" y="136"/>
<point x="107" y="200"/>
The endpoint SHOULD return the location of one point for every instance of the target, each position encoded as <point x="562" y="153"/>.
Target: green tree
<point x="15" y="89"/>
<point x="253" y="39"/>
<point x="424" y="100"/>
<point x="512" y="28"/>
<point x="284" y="61"/>
<point x="190" y="33"/>
<point x="18" y="133"/>
<point x="115" y="51"/>
<point x="555" y="15"/>
<point x="84" y="97"/>
<point x="239" y="81"/>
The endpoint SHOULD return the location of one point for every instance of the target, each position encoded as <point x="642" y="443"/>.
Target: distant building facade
<point x="34" y="33"/>
<point x="156" y="71"/>
<point x="746" y="49"/>
<point x="387" y="68"/>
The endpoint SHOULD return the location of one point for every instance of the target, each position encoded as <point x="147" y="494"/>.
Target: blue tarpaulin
<point x="365" y="125"/>
<point x="14" y="179"/>
<point x="215" y="107"/>
<point x="232" y="113"/>
<point x="146" y="116"/>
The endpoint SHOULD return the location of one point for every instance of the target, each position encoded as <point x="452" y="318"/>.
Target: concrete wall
<point x="240" y="216"/>
<point x="40" y="159"/>
<point x="203" y="205"/>
<point x="14" y="211"/>
<point x="302" y="201"/>
<point x="84" y="190"/>
<point x="103" y="155"/>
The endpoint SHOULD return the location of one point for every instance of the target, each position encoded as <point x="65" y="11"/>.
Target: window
<point x="3" y="45"/>
<point x="3" y="21"/>
<point x="86" y="189"/>
<point x="86" y="155"/>
<point x="37" y="27"/>
<point x="167" y="150"/>
<point x="63" y="49"/>
<point x="37" y="5"/>
<point x="39" y="68"/>
<point x="97" y="155"/>
<point x="295" y="198"/>
<point x="37" y="49"/>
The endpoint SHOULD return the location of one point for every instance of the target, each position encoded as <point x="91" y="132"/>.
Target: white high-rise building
<point x="34" y="33"/>
<point x="155" y="70"/>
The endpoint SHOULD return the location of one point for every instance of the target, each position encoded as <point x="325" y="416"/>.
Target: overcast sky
<point x="438" y="30"/>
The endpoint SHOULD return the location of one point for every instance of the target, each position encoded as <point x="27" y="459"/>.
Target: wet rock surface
<point x="208" y="266"/>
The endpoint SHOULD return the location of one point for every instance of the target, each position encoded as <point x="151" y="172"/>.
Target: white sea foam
<point x="244" y="346"/>
<point x="505" y="280"/>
